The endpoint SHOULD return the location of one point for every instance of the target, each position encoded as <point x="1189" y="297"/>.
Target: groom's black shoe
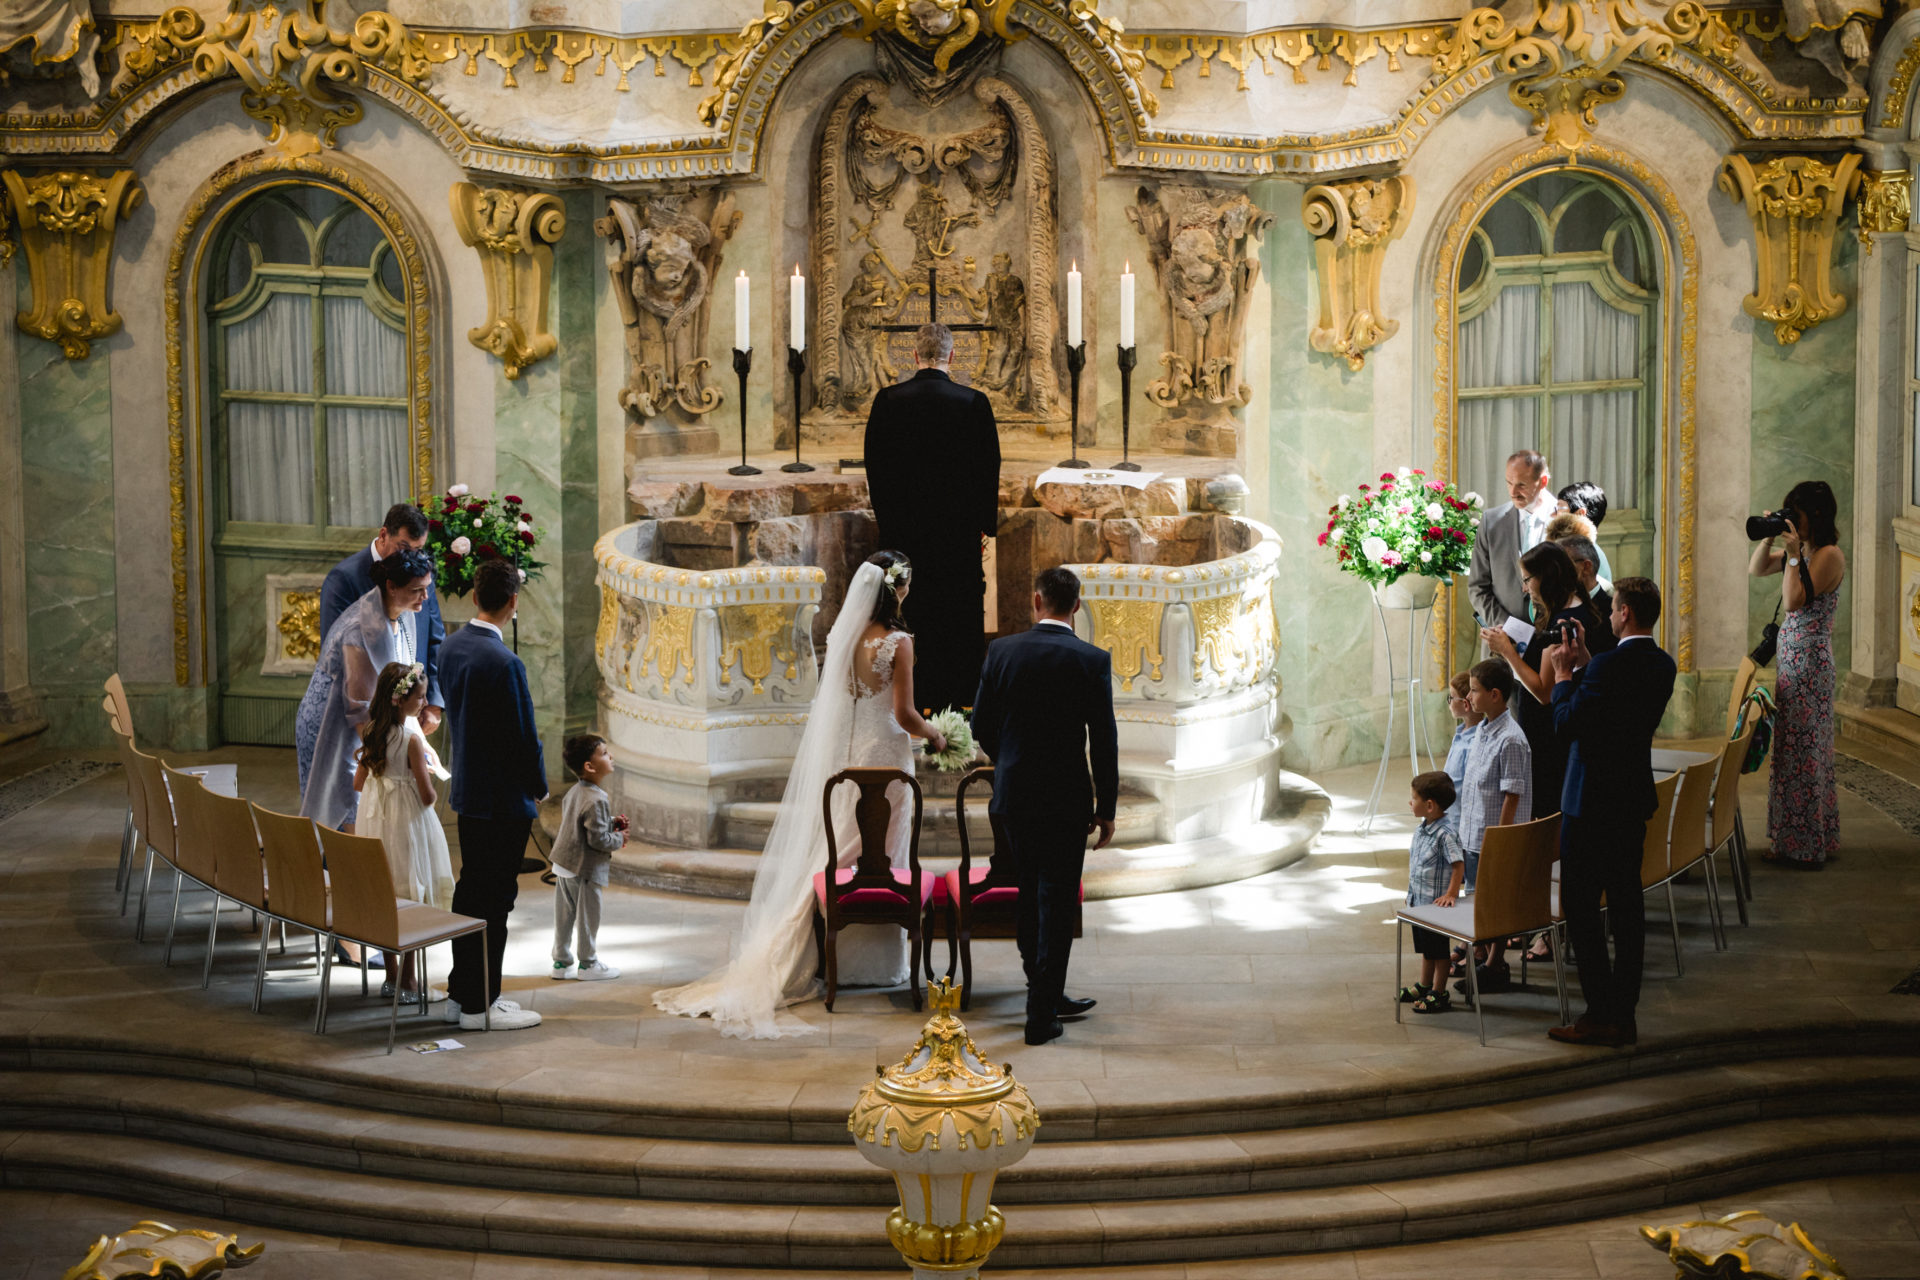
<point x="1041" y="1032"/>
<point x="1072" y="1007"/>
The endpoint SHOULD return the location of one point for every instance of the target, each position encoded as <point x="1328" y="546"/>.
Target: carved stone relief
<point x="664" y="254"/>
<point x="1352" y="223"/>
<point x="1204" y="245"/>
<point x="926" y="213"/>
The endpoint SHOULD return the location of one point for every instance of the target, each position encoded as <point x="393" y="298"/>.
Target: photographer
<point x="1803" y="813"/>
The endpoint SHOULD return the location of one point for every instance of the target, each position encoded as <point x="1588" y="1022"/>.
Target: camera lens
<point x="1762" y="527"/>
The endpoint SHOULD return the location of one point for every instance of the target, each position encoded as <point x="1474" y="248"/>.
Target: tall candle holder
<point x="1076" y="361"/>
<point x="1129" y="356"/>
<point x="742" y="363"/>
<point x="796" y="365"/>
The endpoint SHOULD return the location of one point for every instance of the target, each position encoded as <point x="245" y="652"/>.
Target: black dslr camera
<point x="1772" y="524"/>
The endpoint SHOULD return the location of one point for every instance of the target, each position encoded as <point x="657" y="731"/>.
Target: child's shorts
<point x="1434" y="946"/>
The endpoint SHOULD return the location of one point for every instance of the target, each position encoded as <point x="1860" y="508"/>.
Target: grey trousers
<point x="576" y="908"/>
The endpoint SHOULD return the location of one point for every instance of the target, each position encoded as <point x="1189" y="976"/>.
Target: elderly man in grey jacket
<point x="1513" y="527"/>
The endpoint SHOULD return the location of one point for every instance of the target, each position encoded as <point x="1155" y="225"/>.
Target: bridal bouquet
<point x="959" y="735"/>
<point x="463" y="530"/>
<point x="1407" y="524"/>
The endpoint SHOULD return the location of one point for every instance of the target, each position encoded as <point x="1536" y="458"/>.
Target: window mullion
<point x="1543" y="425"/>
<point x="323" y="516"/>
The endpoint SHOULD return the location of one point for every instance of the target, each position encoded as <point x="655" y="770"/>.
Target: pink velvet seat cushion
<point x="949" y="891"/>
<point x="874" y="897"/>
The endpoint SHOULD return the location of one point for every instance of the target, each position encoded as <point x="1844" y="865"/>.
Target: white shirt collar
<point x="374" y="547"/>
<point x="1625" y="639"/>
<point x="482" y="622"/>
<point x="1054" y="622"/>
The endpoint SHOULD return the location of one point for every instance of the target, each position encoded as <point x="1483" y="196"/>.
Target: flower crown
<point x="895" y="572"/>
<point x="405" y="683"/>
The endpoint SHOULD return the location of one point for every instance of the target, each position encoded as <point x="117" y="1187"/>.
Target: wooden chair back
<point x="122" y="711"/>
<point x="874" y="870"/>
<point x="1688" y="842"/>
<point x="1513" y="892"/>
<point x="193" y="842"/>
<point x="1000" y="873"/>
<point x="113" y="717"/>
<point x="136" y="791"/>
<point x="1653" y="849"/>
<point x="364" y="907"/>
<point x="238" y="871"/>
<point x="1745" y="676"/>
<point x="153" y="784"/>
<point x="291" y="850"/>
<point x="1726" y="788"/>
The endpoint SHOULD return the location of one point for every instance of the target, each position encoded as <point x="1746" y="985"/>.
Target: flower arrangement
<point x="954" y="728"/>
<point x="463" y="530"/>
<point x="1407" y="524"/>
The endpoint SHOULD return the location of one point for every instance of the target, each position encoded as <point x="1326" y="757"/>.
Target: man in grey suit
<point x="1515" y="526"/>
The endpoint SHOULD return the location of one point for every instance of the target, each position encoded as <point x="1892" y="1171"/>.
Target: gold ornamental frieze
<point x="1352" y="223"/>
<point x="67" y="222"/>
<point x="1794" y="203"/>
<point x="514" y="231"/>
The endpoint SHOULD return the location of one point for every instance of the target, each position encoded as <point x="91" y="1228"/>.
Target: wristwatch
<point x="1793" y="561"/>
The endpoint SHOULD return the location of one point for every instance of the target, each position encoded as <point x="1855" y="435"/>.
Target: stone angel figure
<point x="663" y="257"/>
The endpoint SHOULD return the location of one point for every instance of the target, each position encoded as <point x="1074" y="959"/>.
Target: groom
<point x="1046" y="699"/>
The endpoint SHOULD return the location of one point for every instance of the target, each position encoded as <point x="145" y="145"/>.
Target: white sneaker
<point x="561" y="972"/>
<point x="452" y="1011"/>
<point x="504" y="1018"/>
<point x="597" y="971"/>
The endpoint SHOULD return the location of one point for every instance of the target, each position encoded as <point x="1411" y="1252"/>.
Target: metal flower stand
<point x="1412" y="595"/>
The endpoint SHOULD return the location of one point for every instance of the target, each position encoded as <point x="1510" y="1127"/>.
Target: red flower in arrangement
<point x="1459" y="535"/>
<point x="435" y="525"/>
<point x="451" y="507"/>
<point x="1364" y="488"/>
<point x="1434" y="531"/>
<point x="511" y="500"/>
<point x="1323" y="538"/>
<point x="475" y="508"/>
<point x="485" y="551"/>
<point x="1387" y="476"/>
<point x="454" y="557"/>
<point x="527" y="538"/>
<point x="1417" y="471"/>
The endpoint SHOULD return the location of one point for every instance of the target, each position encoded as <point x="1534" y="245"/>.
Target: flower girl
<point x="395" y="774"/>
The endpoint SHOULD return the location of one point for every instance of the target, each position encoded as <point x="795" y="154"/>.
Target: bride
<point x="863" y="715"/>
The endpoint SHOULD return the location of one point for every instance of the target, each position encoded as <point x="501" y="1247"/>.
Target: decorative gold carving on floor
<point x="514" y="231"/>
<point x="299" y="624"/>
<point x="1886" y="204"/>
<point x="156" y="1249"/>
<point x="1130" y="631"/>
<point x="1352" y="224"/>
<point x="67" y="221"/>
<point x="1794" y="202"/>
<point x="1743" y="1244"/>
<point x="756" y="635"/>
<point x="664" y="255"/>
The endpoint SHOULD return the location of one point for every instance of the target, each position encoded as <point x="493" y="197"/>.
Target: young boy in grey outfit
<point x="582" y="855"/>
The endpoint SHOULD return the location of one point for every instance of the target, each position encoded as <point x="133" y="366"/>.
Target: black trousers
<point x="490" y="853"/>
<point x="1601" y="856"/>
<point x="949" y="632"/>
<point x="1050" y="853"/>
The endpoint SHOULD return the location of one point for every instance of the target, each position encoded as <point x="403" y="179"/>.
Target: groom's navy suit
<point x="499" y="778"/>
<point x="1045" y="704"/>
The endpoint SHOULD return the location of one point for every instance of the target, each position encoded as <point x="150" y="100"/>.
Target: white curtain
<point x="366" y="446"/>
<point x="270" y="446"/>
<point x="1500" y="347"/>
<point x="1595" y="434"/>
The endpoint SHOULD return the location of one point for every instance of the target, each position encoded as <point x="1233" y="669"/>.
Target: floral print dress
<point x="1803" y="809"/>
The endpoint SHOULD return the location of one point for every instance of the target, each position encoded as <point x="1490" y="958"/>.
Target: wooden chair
<point x="1745" y="677"/>
<point x="365" y="911"/>
<point x="1655" y="849"/>
<point x="239" y="874"/>
<point x="979" y="900"/>
<point x="193" y="855"/>
<point x="133" y="838"/>
<point x="871" y="891"/>
<point x="1726" y="829"/>
<point x="158" y="834"/>
<point x="1513" y="895"/>
<point x="122" y="711"/>
<point x="1687" y="846"/>
<point x="290" y="849"/>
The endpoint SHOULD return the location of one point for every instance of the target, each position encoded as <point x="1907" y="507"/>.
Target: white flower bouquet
<point x="1409" y="524"/>
<point x="959" y="735"/>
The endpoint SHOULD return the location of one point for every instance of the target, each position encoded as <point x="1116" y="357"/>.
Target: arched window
<point x="1558" y="299"/>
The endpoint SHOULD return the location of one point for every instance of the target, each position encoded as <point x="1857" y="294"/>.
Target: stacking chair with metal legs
<point x="297" y="886"/>
<point x="133" y="838"/>
<point x="193" y="857"/>
<point x="238" y="872"/>
<point x="1723" y="819"/>
<point x="1655" y="850"/>
<point x="1688" y="847"/>
<point x="157" y="835"/>
<point x="365" y="911"/>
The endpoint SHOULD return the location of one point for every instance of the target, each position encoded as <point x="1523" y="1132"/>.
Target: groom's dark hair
<point x="494" y="583"/>
<point x="1059" y="588"/>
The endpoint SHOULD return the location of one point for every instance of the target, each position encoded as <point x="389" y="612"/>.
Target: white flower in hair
<point x="895" y="572"/>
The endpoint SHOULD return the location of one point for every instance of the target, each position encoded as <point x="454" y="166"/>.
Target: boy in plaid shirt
<point x="1436" y="868"/>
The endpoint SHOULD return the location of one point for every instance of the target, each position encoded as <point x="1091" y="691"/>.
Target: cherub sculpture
<point x="1201" y="243"/>
<point x="663" y="259"/>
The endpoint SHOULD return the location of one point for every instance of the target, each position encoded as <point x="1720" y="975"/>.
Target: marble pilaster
<point x="20" y="716"/>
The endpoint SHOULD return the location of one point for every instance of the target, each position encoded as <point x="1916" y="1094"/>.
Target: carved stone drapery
<point x="965" y="191"/>
<point x="1204" y="245"/>
<point x="514" y="232"/>
<point x="1794" y="202"/>
<point x="67" y="221"/>
<point x="664" y="254"/>
<point x="1352" y="223"/>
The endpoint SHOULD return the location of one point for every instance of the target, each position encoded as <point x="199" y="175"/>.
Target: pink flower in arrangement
<point x="1387" y="476"/>
<point x="1323" y="539"/>
<point x="1417" y="471"/>
<point x="1364" y="488"/>
<point x="1436" y="486"/>
<point x="1389" y="557"/>
<point x="1405" y="508"/>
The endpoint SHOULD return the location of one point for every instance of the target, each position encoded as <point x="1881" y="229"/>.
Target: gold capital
<point x="67" y="220"/>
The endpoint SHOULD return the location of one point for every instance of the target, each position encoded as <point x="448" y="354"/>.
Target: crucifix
<point x="933" y="317"/>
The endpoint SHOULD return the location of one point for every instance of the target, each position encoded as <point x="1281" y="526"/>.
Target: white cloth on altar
<point x="1094" y="475"/>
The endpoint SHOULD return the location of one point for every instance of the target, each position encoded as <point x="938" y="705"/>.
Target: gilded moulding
<point x="508" y="50"/>
<point x="1130" y="631"/>
<point x="1743" y="1244"/>
<point x="1885" y="205"/>
<point x="67" y="221"/>
<point x="156" y="1249"/>
<point x="237" y="179"/>
<point x="514" y="231"/>
<point x="1352" y="223"/>
<point x="756" y="636"/>
<point x="1794" y="203"/>
<point x="1662" y="209"/>
<point x="1893" y="110"/>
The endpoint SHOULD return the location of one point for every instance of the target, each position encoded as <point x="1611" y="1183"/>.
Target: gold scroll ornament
<point x="1886" y="204"/>
<point x="669" y="641"/>
<point x="299" y="624"/>
<point x="514" y="231"/>
<point x="156" y="1249"/>
<point x="1130" y="631"/>
<point x="67" y="221"/>
<point x="1352" y="224"/>
<point x="756" y="635"/>
<point x="1215" y="638"/>
<point x="1794" y="202"/>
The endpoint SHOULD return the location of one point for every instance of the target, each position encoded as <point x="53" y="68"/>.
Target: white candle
<point x="1073" y="305"/>
<point x="741" y="342"/>
<point x="797" y="311"/>
<point x="1126" y="305"/>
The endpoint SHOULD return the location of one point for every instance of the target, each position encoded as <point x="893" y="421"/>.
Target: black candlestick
<point x="1129" y="356"/>
<point x="742" y="363"/>
<point x="1076" y="361"/>
<point x="796" y="365"/>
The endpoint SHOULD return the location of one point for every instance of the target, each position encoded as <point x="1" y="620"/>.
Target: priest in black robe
<point x="933" y="474"/>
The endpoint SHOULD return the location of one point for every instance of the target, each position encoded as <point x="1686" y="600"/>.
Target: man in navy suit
<point x="933" y="477"/>
<point x="405" y="528"/>
<point x="1608" y="719"/>
<point x="1045" y="702"/>
<point x="499" y="777"/>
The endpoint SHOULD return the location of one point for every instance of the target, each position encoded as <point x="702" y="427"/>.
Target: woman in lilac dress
<point x="1803" y="809"/>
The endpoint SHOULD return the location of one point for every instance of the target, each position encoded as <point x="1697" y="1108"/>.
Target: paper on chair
<point x="1519" y="630"/>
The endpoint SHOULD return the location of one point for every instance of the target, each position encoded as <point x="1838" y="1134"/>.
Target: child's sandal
<point x="1433" y="1002"/>
<point x="1415" y="992"/>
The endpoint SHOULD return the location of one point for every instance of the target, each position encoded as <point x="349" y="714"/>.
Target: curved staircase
<point x="1193" y="1168"/>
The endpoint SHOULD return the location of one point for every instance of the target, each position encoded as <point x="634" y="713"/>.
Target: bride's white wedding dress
<point x="851" y="725"/>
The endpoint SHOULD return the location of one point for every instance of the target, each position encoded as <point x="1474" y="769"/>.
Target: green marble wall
<point x="1802" y="424"/>
<point x="66" y="446"/>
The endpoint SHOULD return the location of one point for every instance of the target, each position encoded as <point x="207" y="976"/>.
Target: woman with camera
<point x="1803" y="810"/>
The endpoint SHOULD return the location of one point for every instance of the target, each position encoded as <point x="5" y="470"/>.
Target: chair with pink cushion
<point x="872" y="890"/>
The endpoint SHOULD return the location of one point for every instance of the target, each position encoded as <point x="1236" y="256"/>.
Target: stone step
<point x="302" y="1131"/>
<point x="746" y="824"/>
<point x="1641" y="1177"/>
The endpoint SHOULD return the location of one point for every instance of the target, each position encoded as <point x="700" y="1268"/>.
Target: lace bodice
<point x="882" y="648"/>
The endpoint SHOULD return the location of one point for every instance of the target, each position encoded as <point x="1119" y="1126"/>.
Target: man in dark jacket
<point x="405" y="528"/>
<point x="933" y="476"/>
